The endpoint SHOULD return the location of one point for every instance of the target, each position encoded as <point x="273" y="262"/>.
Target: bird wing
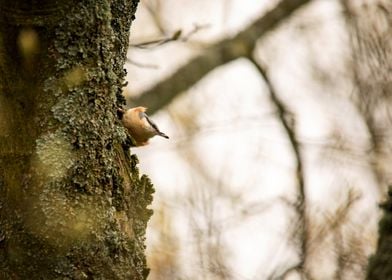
<point x="144" y="115"/>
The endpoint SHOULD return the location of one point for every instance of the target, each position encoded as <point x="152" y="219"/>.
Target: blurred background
<point x="280" y="136"/>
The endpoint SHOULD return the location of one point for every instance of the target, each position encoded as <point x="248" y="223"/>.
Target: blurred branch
<point x="300" y="206"/>
<point x="158" y="42"/>
<point x="283" y="274"/>
<point x="370" y="66"/>
<point x="341" y="258"/>
<point x="176" y="36"/>
<point x="331" y="227"/>
<point x="142" y="65"/>
<point x="218" y="54"/>
<point x="155" y="9"/>
<point x="196" y="28"/>
<point x="334" y="222"/>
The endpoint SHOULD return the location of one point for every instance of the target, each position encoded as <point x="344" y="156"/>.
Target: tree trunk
<point x="72" y="204"/>
<point x="380" y="264"/>
<point x="369" y="24"/>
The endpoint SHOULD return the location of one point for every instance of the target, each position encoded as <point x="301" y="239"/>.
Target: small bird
<point x="140" y="126"/>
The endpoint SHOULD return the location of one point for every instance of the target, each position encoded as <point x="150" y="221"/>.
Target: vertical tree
<point x="72" y="204"/>
<point x="370" y="28"/>
<point x="380" y="265"/>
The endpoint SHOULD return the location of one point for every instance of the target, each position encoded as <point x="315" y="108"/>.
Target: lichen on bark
<point x="73" y="205"/>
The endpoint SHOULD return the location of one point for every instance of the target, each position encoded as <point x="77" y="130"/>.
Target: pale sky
<point x="240" y="142"/>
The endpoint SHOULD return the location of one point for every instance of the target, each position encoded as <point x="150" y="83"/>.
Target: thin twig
<point x="335" y="221"/>
<point x="219" y="53"/>
<point x="157" y="42"/>
<point x="155" y="12"/>
<point x="142" y="65"/>
<point x="196" y="28"/>
<point x="300" y="206"/>
<point x="176" y="36"/>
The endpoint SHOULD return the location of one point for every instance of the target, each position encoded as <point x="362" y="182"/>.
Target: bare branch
<point x="335" y="221"/>
<point x="369" y="28"/>
<point x="155" y="9"/>
<point x="158" y="42"/>
<point x="176" y="36"/>
<point x="142" y="65"/>
<point x="218" y="54"/>
<point x="300" y="206"/>
<point x="196" y="28"/>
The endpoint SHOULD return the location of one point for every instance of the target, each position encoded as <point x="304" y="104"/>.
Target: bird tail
<point x="163" y="135"/>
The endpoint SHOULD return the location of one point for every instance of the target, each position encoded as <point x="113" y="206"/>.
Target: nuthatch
<point x="140" y="126"/>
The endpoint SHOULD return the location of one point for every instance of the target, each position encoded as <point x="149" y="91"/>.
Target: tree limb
<point x="218" y="54"/>
<point x="300" y="206"/>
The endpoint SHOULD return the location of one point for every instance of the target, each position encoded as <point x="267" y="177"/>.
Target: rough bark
<point x="72" y="203"/>
<point x="380" y="264"/>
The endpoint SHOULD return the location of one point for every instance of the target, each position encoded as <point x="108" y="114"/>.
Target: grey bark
<point x="72" y="203"/>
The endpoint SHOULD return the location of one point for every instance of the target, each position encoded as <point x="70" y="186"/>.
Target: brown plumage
<point x="140" y="126"/>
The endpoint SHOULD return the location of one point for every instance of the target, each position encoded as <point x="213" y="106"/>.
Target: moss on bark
<point x="72" y="205"/>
